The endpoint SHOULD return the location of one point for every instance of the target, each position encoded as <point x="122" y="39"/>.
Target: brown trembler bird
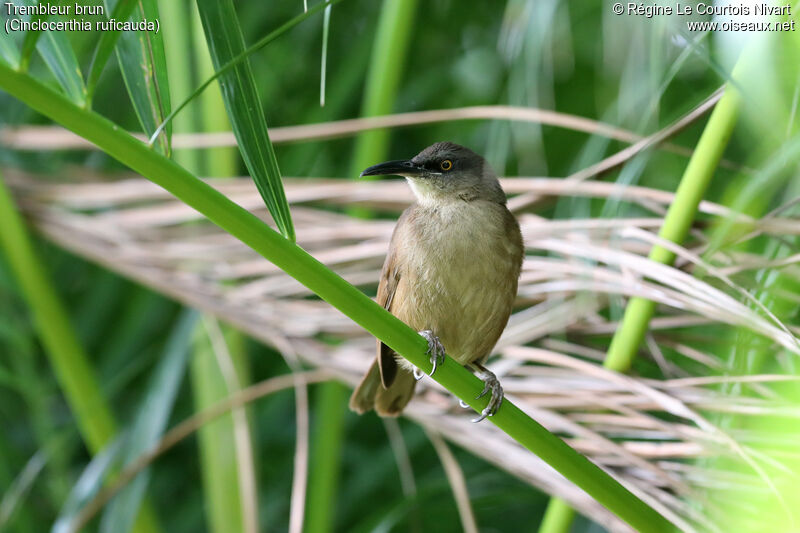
<point x="451" y="273"/>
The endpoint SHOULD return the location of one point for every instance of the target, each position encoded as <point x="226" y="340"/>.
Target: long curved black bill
<point x="393" y="168"/>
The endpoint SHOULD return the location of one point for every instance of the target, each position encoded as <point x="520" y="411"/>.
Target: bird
<point x="451" y="273"/>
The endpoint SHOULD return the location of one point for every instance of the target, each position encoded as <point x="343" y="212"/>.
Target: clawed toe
<point x="491" y="384"/>
<point x="435" y="349"/>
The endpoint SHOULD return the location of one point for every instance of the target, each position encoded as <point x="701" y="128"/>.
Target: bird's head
<point x="445" y="172"/>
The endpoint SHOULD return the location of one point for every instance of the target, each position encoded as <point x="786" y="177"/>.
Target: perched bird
<point x="451" y="273"/>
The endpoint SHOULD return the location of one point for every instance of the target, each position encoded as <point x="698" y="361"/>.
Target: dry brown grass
<point x="644" y="431"/>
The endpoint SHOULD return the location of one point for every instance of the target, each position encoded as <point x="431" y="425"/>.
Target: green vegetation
<point x="98" y="361"/>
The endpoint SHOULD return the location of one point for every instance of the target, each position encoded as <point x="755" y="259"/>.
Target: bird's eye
<point x="446" y="165"/>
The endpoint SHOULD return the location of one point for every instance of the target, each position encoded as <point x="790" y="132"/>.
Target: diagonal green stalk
<point x="296" y="262"/>
<point x="70" y="362"/>
<point x="67" y="357"/>
<point x="679" y="219"/>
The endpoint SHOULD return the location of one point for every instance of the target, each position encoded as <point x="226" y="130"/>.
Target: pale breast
<point x="459" y="266"/>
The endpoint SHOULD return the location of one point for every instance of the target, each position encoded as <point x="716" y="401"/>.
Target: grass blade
<point x="106" y="44"/>
<point x="221" y="465"/>
<point x="9" y="51"/>
<point x="70" y="363"/>
<point x="225" y="42"/>
<point x="211" y="115"/>
<point x="20" y="487"/>
<point x="150" y="423"/>
<point x="261" y="43"/>
<point x="67" y="357"/>
<point x="56" y="50"/>
<point x="30" y="40"/>
<point x="326" y="22"/>
<point x="175" y="16"/>
<point x="326" y="451"/>
<point x="88" y="484"/>
<point x="679" y="218"/>
<point x="144" y="68"/>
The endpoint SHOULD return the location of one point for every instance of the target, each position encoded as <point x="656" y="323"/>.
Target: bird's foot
<point x="490" y="384"/>
<point x="435" y="350"/>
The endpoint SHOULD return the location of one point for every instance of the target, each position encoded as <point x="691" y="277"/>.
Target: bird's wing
<point x="390" y="276"/>
<point x="390" y="279"/>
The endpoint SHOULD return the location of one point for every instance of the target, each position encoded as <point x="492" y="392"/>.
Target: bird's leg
<point x="435" y="350"/>
<point x="490" y="383"/>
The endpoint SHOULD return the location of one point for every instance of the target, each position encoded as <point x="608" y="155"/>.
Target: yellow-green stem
<point x="680" y="216"/>
<point x="390" y="47"/>
<point x="66" y="355"/>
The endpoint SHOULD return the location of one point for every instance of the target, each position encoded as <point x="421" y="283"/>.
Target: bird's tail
<point x="387" y="402"/>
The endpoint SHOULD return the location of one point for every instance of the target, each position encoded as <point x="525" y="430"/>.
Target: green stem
<point x="679" y="219"/>
<point x="293" y="260"/>
<point x="67" y="357"/>
<point x="326" y="451"/>
<point x="71" y="365"/>
<point x="557" y="517"/>
<point x="680" y="216"/>
<point x="390" y="48"/>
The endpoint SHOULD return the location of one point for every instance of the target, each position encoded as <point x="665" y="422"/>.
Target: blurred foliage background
<point x="575" y="57"/>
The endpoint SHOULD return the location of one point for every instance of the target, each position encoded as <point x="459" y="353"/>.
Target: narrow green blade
<point x="144" y="68"/>
<point x="150" y="423"/>
<point x="89" y="482"/>
<point x="30" y="40"/>
<point x="56" y="50"/>
<point x="225" y="42"/>
<point x="9" y="49"/>
<point x="220" y="459"/>
<point x="105" y="46"/>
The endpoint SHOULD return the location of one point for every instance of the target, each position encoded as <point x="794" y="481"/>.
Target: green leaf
<point x="144" y="69"/>
<point x="150" y="423"/>
<point x="9" y="50"/>
<point x="326" y="23"/>
<point x="218" y="368"/>
<point x="86" y="487"/>
<point x="261" y="43"/>
<point x="29" y="42"/>
<point x="56" y="50"/>
<point x="239" y="92"/>
<point x="105" y="46"/>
